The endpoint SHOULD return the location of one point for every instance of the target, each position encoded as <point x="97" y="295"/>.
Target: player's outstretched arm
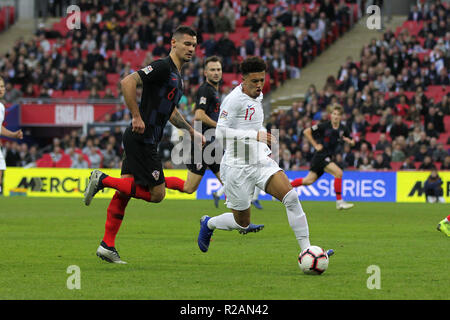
<point x="308" y="134"/>
<point x="129" y="84"/>
<point x="200" y="115"/>
<point x="178" y="121"/>
<point x="11" y="134"/>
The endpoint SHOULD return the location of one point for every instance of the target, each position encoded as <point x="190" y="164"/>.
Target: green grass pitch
<point x="41" y="237"/>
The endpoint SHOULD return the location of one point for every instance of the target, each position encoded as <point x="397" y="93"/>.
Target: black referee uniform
<point x="161" y="92"/>
<point x="331" y="140"/>
<point x="207" y="99"/>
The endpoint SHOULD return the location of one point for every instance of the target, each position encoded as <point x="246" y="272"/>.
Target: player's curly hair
<point x="253" y="64"/>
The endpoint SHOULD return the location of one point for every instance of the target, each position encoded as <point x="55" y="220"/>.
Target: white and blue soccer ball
<point x="313" y="260"/>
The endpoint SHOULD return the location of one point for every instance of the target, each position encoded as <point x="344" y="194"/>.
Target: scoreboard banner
<point x="356" y="186"/>
<point x="383" y="186"/>
<point x="67" y="183"/>
<point x="410" y="185"/>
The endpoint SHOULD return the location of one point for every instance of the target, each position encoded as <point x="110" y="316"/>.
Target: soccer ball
<point x="313" y="260"/>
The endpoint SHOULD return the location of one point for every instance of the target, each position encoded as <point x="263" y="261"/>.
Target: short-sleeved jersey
<point x="240" y="119"/>
<point x="208" y="99"/>
<point x="2" y="115"/>
<point x="161" y="92"/>
<point x="330" y="138"/>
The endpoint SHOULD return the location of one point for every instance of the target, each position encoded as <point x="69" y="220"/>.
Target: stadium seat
<point x="57" y="94"/>
<point x="228" y="78"/>
<point x="45" y="161"/>
<point x="64" y="162"/>
<point x="396" y="165"/>
<point x="447" y="123"/>
<point x="373" y="137"/>
<point x="443" y="137"/>
<point x="113" y="78"/>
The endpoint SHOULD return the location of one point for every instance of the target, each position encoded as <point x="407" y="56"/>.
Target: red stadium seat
<point x="373" y="137"/>
<point x="64" y="162"/>
<point x="45" y="161"/>
<point x="228" y="78"/>
<point x="57" y="94"/>
<point x="395" y="165"/>
<point x="113" y="78"/>
<point x="447" y="123"/>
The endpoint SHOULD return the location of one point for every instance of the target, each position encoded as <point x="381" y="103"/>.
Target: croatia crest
<point x="155" y="174"/>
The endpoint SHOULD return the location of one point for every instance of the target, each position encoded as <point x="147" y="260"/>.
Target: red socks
<point x="114" y="217"/>
<point x="127" y="187"/>
<point x="338" y="188"/>
<point x="297" y="182"/>
<point x="174" y="183"/>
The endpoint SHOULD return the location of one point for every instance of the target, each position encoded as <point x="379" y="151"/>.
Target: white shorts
<point x="240" y="182"/>
<point x="2" y="161"/>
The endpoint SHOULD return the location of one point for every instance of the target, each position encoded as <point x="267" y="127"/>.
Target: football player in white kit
<point x="246" y="162"/>
<point x="5" y="132"/>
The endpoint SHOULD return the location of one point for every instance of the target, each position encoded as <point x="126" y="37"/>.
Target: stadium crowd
<point x="384" y="94"/>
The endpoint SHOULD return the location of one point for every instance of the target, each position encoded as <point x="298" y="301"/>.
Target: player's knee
<point x="158" y="196"/>
<point x="188" y="189"/>
<point x="290" y="198"/>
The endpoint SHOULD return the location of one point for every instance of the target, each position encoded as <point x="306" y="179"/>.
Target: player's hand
<point x="197" y="136"/>
<point x="18" y="134"/>
<point x="319" y="147"/>
<point x="137" y="125"/>
<point x="266" y="137"/>
<point x="348" y="140"/>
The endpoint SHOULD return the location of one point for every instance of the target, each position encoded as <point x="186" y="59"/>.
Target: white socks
<point x="297" y="218"/>
<point x="224" y="222"/>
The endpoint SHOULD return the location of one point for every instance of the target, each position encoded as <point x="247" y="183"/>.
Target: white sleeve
<point x="230" y="133"/>
<point x="2" y="116"/>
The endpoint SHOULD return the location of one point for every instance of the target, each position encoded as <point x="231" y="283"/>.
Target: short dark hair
<point x="212" y="59"/>
<point x="253" y="64"/>
<point x="184" y="30"/>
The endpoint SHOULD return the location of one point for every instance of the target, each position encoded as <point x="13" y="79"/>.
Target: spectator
<point x="226" y="50"/>
<point x="415" y="14"/>
<point x="94" y="157"/>
<point x="348" y="157"/>
<point x="398" y="128"/>
<point x="79" y="162"/>
<point x="110" y="159"/>
<point x="56" y="154"/>
<point x="382" y="142"/>
<point x="421" y="154"/>
<point x="439" y="155"/>
<point x="380" y="163"/>
<point x="11" y="93"/>
<point x="433" y="188"/>
<point x="365" y="164"/>
<point x="315" y="33"/>
<point x="408" y="164"/>
<point x="446" y="164"/>
<point x="427" y="164"/>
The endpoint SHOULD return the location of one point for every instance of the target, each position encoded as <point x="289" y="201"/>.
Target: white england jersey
<point x="240" y="119"/>
<point x="2" y="117"/>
